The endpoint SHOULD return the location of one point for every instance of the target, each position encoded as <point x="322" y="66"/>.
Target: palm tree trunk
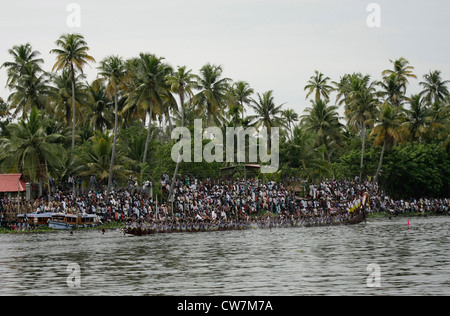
<point x="113" y="154"/>
<point x="149" y="133"/>
<point x="209" y="119"/>
<point x="375" y="178"/>
<point x="73" y="105"/>
<point x="363" y="149"/>
<point x="269" y="135"/>
<point x="177" y="167"/>
<point x="170" y="122"/>
<point x="48" y="182"/>
<point x="209" y="114"/>
<point x="68" y="115"/>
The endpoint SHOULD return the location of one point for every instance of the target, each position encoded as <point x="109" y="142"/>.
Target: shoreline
<point x="122" y="225"/>
<point x="46" y="229"/>
<point x="415" y="214"/>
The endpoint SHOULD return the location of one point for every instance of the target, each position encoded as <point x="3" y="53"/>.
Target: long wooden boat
<point x="145" y="230"/>
<point x="357" y="219"/>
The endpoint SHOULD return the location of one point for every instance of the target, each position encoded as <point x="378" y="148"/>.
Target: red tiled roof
<point x="11" y="183"/>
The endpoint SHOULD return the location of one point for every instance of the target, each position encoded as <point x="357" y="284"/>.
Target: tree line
<point x="57" y="123"/>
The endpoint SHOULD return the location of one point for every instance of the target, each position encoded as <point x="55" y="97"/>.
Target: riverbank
<point x="121" y="225"/>
<point x="46" y="229"/>
<point x="375" y="215"/>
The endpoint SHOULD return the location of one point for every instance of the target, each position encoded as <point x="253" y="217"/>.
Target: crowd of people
<point x="378" y="201"/>
<point x="221" y="204"/>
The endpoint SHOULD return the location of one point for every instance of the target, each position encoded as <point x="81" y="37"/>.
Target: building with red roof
<point x="10" y="183"/>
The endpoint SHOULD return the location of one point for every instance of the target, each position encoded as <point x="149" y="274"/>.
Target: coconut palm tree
<point x="132" y="142"/>
<point x="440" y="113"/>
<point x="169" y="107"/>
<point x="319" y="84"/>
<point x="343" y="88"/>
<point x="267" y="114"/>
<point x="233" y="117"/>
<point x="389" y="130"/>
<point x="72" y="54"/>
<point x="301" y="154"/>
<point x="112" y="70"/>
<point x="290" y="116"/>
<point x="213" y="90"/>
<point x="25" y="62"/>
<point x="61" y="101"/>
<point x="94" y="158"/>
<point x="361" y="108"/>
<point x="149" y="73"/>
<point x="102" y="116"/>
<point x="32" y="89"/>
<point x="434" y="88"/>
<point x="190" y="114"/>
<point x="323" y="120"/>
<point x="181" y="82"/>
<point x="402" y="71"/>
<point x="131" y="111"/>
<point x="5" y="117"/>
<point x="240" y="94"/>
<point x="30" y="147"/>
<point x="392" y="90"/>
<point x="419" y="118"/>
<point x="27" y="80"/>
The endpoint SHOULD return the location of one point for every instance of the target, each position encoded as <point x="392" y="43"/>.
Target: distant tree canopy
<point x="409" y="170"/>
<point x="55" y="123"/>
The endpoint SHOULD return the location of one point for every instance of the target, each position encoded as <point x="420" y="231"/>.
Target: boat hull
<point x="67" y="226"/>
<point x="137" y="231"/>
<point x="357" y="219"/>
<point x="58" y="225"/>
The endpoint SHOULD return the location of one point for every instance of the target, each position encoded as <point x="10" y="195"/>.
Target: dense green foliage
<point x="55" y="123"/>
<point x="409" y="170"/>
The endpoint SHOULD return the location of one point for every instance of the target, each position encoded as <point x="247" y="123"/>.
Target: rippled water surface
<point x="412" y="260"/>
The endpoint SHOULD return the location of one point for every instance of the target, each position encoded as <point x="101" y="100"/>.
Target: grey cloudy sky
<point x="272" y="44"/>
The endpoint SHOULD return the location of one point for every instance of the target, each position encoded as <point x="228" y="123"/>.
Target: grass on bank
<point x="415" y="214"/>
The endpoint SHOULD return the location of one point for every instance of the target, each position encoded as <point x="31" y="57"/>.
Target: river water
<point x="381" y="257"/>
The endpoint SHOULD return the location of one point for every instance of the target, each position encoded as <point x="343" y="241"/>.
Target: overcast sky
<point x="272" y="44"/>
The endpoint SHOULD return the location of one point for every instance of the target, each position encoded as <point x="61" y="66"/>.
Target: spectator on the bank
<point x="80" y="182"/>
<point x="224" y="199"/>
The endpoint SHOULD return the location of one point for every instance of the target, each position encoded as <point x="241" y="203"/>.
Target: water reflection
<point x="296" y="261"/>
